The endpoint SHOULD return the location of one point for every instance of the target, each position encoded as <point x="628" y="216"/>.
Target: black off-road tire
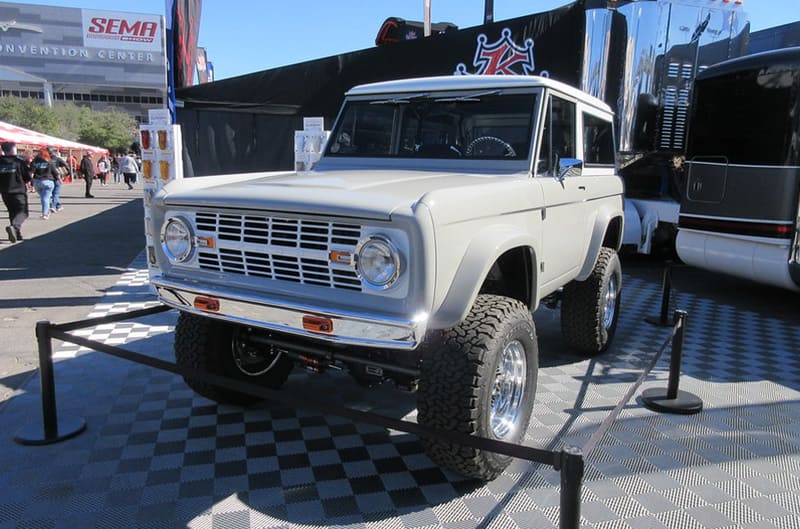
<point x="457" y="383"/>
<point x="207" y="344"/>
<point x="585" y="304"/>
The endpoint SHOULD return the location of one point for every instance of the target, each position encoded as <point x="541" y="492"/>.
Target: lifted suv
<point x="443" y="211"/>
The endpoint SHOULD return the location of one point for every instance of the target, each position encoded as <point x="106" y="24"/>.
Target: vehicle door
<point x="564" y="237"/>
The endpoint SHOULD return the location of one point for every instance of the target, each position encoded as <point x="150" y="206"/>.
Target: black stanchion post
<point x="676" y="355"/>
<point x="571" y="466"/>
<point x="674" y="400"/>
<point x="52" y="430"/>
<point x="49" y="413"/>
<point x="666" y="286"/>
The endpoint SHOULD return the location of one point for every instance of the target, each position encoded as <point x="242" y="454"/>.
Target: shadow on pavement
<point x="97" y="245"/>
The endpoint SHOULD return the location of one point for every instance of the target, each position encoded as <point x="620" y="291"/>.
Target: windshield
<point x="747" y="118"/>
<point x="482" y="126"/>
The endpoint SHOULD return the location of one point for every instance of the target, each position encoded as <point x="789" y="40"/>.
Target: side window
<point x="558" y="138"/>
<point x="598" y="141"/>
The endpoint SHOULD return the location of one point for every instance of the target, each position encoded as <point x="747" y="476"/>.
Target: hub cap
<point x="508" y="390"/>
<point x="610" y="302"/>
<point x="252" y="360"/>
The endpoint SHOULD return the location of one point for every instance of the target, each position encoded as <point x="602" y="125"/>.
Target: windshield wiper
<point x="470" y="97"/>
<point x="399" y="100"/>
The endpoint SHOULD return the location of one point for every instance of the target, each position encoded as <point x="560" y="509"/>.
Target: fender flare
<point x="605" y="216"/>
<point x="483" y="250"/>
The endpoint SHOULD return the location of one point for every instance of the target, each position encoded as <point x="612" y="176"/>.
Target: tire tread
<point x="581" y="316"/>
<point x="450" y="390"/>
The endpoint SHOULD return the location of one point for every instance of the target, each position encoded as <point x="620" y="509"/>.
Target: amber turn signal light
<point x="337" y="256"/>
<point x="206" y="304"/>
<point x="205" y="242"/>
<point x="317" y="324"/>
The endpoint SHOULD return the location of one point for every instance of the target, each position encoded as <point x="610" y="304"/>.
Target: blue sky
<point x="245" y="36"/>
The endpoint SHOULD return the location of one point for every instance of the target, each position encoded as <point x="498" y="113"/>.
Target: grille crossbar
<point x="284" y="249"/>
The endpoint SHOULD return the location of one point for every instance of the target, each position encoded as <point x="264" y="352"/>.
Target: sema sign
<point x="127" y="31"/>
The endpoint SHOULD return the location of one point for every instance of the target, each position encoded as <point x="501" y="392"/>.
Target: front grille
<point x="284" y="249"/>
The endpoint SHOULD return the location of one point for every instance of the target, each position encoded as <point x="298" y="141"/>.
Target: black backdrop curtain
<point x="247" y="123"/>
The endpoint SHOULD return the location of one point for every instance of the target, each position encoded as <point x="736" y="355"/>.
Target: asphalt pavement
<point x="62" y="268"/>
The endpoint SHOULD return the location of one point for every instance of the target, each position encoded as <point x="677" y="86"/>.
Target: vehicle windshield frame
<point x="469" y="114"/>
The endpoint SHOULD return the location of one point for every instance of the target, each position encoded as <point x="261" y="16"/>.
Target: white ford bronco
<point x="442" y="213"/>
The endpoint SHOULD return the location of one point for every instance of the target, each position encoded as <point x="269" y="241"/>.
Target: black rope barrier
<point x="601" y="431"/>
<point x="110" y="318"/>
<point x="569" y="461"/>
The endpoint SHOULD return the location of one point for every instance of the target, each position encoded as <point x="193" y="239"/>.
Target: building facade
<point x="107" y="60"/>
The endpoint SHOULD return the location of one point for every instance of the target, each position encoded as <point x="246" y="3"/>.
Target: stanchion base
<point x="655" y="320"/>
<point x="33" y="434"/>
<point x="684" y="403"/>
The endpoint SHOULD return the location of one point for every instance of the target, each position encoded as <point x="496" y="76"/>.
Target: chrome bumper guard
<point x="348" y="328"/>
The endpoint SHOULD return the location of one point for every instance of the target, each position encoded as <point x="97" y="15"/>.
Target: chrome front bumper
<point x="348" y="328"/>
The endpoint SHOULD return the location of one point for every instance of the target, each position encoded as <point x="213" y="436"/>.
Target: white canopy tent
<point x="23" y="136"/>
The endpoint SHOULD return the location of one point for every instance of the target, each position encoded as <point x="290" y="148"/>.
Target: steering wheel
<point x="481" y="142"/>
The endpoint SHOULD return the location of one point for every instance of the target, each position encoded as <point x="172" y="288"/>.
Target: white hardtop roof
<point x="474" y="82"/>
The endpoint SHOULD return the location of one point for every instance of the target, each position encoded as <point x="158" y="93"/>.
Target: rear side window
<point x="598" y="141"/>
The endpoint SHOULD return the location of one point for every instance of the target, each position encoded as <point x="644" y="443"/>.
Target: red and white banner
<point x="125" y="31"/>
<point x="185" y="32"/>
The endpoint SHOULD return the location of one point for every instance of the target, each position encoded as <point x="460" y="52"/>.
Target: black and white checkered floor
<point x="155" y="455"/>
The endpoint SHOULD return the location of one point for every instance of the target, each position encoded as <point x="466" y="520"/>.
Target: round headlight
<point x="378" y="262"/>
<point x="176" y="239"/>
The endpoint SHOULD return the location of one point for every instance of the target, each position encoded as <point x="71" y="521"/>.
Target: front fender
<point x="482" y="252"/>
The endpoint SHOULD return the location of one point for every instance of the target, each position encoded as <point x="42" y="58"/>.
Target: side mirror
<point x="571" y="166"/>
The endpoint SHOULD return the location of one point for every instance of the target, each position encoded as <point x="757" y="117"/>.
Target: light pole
<point x="488" y="11"/>
<point x="427" y="7"/>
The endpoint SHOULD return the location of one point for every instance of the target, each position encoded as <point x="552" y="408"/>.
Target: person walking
<point x="14" y="180"/>
<point x="129" y="169"/>
<point x="74" y="166"/>
<point x="63" y="170"/>
<point x="102" y="170"/>
<point x="44" y="179"/>
<point x="87" y="172"/>
<point x="27" y="163"/>
<point x="115" y="167"/>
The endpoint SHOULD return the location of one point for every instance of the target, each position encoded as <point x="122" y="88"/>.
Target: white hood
<point x="364" y="193"/>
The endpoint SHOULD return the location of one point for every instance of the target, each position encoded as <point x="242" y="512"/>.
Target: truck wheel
<point x="590" y="308"/>
<point x="223" y="349"/>
<point x="480" y="379"/>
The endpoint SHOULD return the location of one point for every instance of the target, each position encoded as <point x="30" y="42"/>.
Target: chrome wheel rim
<point x="610" y="302"/>
<point x="508" y="390"/>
